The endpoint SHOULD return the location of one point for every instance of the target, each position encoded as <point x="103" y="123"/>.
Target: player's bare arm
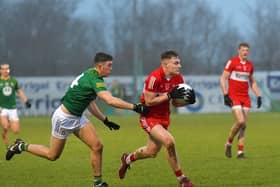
<point x="21" y="95"/>
<point x="114" y="101"/>
<point x="23" y="98"/>
<point x="254" y="86"/>
<point x="223" y="81"/>
<point x="94" y="110"/>
<point x="152" y="98"/>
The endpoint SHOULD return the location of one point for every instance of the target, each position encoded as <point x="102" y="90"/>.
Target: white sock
<point x="180" y="177"/>
<point x="239" y="152"/>
<point x="128" y="161"/>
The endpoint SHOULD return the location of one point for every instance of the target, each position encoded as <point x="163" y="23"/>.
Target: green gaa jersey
<point x="82" y="91"/>
<point x="8" y="90"/>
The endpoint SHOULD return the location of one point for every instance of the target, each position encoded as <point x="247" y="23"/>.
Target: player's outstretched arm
<point x="107" y="97"/>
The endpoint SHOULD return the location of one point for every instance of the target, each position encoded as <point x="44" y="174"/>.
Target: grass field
<point x="200" y="144"/>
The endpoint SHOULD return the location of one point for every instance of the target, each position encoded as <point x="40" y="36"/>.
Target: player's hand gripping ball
<point x="188" y="97"/>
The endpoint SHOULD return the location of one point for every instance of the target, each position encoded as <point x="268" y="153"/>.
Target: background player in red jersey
<point x="238" y="73"/>
<point x="159" y="88"/>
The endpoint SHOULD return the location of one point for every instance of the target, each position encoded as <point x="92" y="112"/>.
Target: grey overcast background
<point x="60" y="37"/>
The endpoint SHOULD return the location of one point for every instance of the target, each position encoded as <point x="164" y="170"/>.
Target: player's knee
<point x="98" y="147"/>
<point x="169" y="143"/>
<point x="5" y="130"/>
<point x="16" y="131"/>
<point x="53" y="157"/>
<point x="241" y="123"/>
<point x="153" y="155"/>
<point x="243" y="127"/>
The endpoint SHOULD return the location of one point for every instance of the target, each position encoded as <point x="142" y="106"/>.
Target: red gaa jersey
<point x="239" y="79"/>
<point x="157" y="82"/>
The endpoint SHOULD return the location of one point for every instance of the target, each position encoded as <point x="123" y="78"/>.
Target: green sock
<point x="23" y="146"/>
<point x="97" y="180"/>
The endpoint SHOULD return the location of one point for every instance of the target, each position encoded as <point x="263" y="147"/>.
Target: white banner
<point x="210" y="98"/>
<point x="45" y="92"/>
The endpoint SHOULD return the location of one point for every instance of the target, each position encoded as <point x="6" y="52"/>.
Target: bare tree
<point x="46" y="36"/>
<point x="266" y="36"/>
<point x="40" y="37"/>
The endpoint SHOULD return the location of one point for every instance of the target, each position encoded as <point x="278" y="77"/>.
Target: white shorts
<point x="10" y="113"/>
<point x="65" y="124"/>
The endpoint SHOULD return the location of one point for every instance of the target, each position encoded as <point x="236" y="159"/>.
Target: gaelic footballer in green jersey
<point x="8" y="89"/>
<point x="82" y="91"/>
<point x="70" y="118"/>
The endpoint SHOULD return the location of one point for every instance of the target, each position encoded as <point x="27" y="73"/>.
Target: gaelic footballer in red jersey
<point x="235" y="82"/>
<point x="160" y="87"/>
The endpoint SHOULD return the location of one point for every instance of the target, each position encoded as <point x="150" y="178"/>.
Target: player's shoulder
<point x="250" y="62"/>
<point x="91" y="74"/>
<point x="89" y="71"/>
<point x="157" y="73"/>
<point x="13" y="79"/>
<point x="235" y="59"/>
<point x="232" y="61"/>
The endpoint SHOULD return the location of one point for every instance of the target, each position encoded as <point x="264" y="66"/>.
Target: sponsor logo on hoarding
<point x="273" y="83"/>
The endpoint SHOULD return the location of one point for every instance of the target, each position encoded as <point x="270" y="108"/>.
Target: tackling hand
<point x="259" y="101"/>
<point x="176" y="93"/>
<point x="227" y="100"/>
<point x="140" y="108"/>
<point x="111" y="125"/>
<point x="27" y="104"/>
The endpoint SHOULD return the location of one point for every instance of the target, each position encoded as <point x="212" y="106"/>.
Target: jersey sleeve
<point x="151" y="83"/>
<point x="229" y="66"/>
<point x="99" y="85"/>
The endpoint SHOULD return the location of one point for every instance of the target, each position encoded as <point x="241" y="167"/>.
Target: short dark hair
<point x="243" y="44"/>
<point x="102" y="57"/>
<point x="169" y="54"/>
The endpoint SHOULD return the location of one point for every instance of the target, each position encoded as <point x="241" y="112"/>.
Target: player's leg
<point x="15" y="127"/>
<point x="150" y="150"/>
<point x="88" y="135"/>
<point x="5" y="128"/>
<point x="51" y="153"/>
<point x="57" y="139"/>
<point x="241" y="135"/>
<point x="161" y="135"/>
<point x="14" y="121"/>
<point x="62" y="126"/>
<point x="239" y="122"/>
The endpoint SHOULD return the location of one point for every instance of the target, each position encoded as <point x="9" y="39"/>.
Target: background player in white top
<point x="238" y="75"/>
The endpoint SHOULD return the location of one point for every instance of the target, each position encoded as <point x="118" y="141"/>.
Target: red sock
<point x="240" y="147"/>
<point x="178" y="173"/>
<point x="132" y="157"/>
<point x="229" y="141"/>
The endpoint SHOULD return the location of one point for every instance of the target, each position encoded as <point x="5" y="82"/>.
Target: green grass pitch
<point x="199" y="139"/>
